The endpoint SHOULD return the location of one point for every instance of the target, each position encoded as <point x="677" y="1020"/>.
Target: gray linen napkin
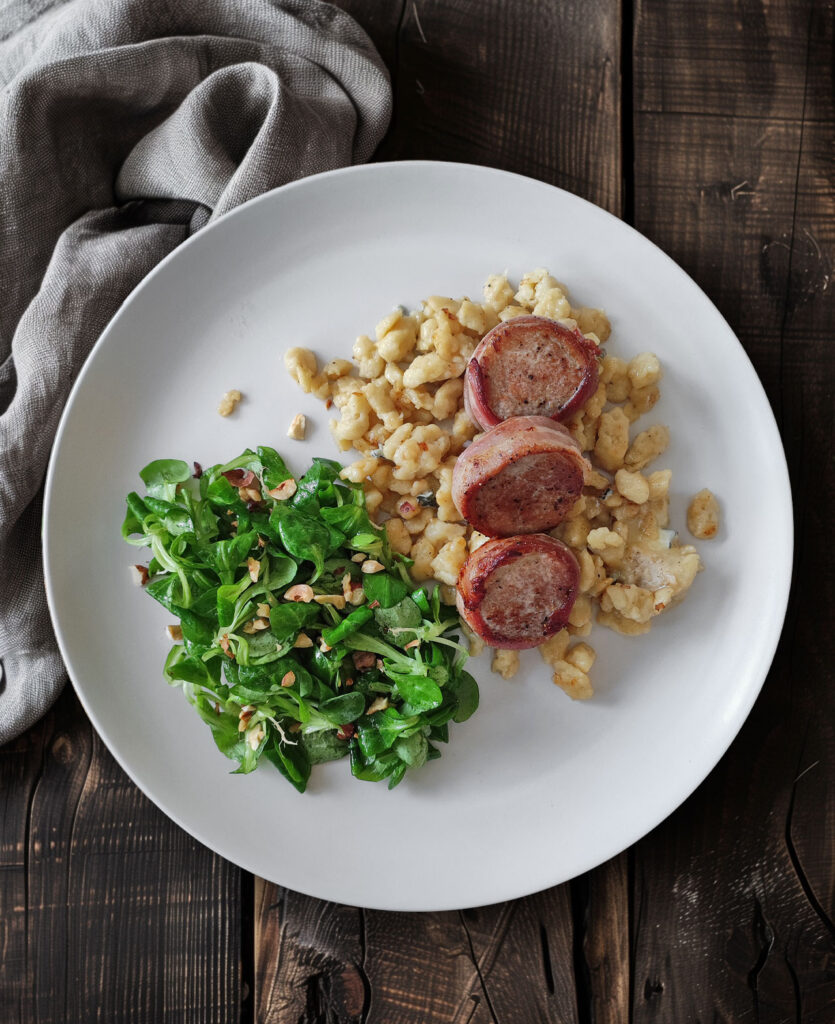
<point x="126" y="125"/>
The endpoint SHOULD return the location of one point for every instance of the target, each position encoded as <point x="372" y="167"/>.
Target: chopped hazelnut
<point x="254" y="737"/>
<point x="301" y="593"/>
<point x="139" y="574"/>
<point x="297" y="427"/>
<point x="175" y="633"/>
<point x="378" y="704"/>
<point x="337" y="600"/>
<point x="254" y="567"/>
<point x="303" y="640"/>
<point x="372" y="566"/>
<point x="286" y="489"/>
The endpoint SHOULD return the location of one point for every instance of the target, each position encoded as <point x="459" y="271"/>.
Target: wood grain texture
<point x="325" y="962"/>
<point x="606" y="948"/>
<point x="108" y="910"/>
<point x="532" y="88"/>
<point x="473" y="83"/>
<point x="734" y="178"/>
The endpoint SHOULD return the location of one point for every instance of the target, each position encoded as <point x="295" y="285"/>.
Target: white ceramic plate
<point x="534" y="788"/>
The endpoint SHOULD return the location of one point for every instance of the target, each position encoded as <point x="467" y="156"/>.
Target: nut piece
<point x="378" y="704"/>
<point x="229" y="402"/>
<point x="303" y="640"/>
<point x="286" y="489"/>
<point x="247" y="494"/>
<point x="288" y="678"/>
<point x="337" y="600"/>
<point x="703" y="515"/>
<point x="254" y="567"/>
<point x="301" y="594"/>
<point x="263" y="610"/>
<point x="371" y="566"/>
<point x="139" y="574"/>
<point x="352" y="592"/>
<point x="175" y="633"/>
<point x="297" y="427"/>
<point x="358" y="557"/>
<point x="254" y="737"/>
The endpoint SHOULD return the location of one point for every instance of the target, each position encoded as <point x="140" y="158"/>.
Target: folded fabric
<point x="124" y="128"/>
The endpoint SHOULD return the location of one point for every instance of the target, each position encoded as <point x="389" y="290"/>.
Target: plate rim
<point x="765" y="654"/>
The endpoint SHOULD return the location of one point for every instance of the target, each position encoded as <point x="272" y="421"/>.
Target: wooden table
<point x="709" y="126"/>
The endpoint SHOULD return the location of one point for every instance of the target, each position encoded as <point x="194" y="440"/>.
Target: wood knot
<point x="62" y="749"/>
<point x="652" y="989"/>
<point x="794" y="268"/>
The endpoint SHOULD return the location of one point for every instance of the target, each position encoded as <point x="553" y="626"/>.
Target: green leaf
<point x="135" y="517"/>
<point x="162" y="476"/>
<point x="399" y="621"/>
<point x="227" y="599"/>
<point x="385" y="588"/>
<point x="419" y="692"/>
<point x="287" y="620"/>
<point x="224" y="556"/>
<point x="291" y="760"/>
<point x="412" y="749"/>
<point x="224" y="725"/>
<point x="345" y="708"/>
<point x="303" y="536"/>
<point x="348" y="626"/>
<point x="316" y="487"/>
<point x="174" y="518"/>
<point x="223" y="495"/>
<point x="261" y="680"/>
<point x="348" y="519"/>
<point x="465" y="689"/>
<point x="323" y="746"/>
<point x="181" y="666"/>
<point x="283" y="570"/>
<point x="273" y="469"/>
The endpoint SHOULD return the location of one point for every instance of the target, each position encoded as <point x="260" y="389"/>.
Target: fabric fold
<point x="124" y="128"/>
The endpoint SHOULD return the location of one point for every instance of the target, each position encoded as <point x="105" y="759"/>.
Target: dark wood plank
<point x="533" y="89"/>
<point x="108" y="910"/>
<point x="606" y="942"/>
<point x="734" y="178"/>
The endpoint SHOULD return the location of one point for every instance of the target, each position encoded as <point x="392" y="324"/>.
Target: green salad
<point x="301" y="637"/>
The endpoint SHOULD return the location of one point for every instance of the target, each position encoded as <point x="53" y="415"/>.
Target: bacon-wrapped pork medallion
<point x="529" y="366"/>
<point x="515" y="592"/>
<point x="522" y="476"/>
